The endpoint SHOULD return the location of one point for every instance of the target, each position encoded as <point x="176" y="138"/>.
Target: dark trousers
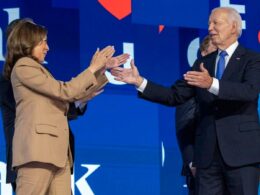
<point x="190" y="181"/>
<point x="220" y="179"/>
<point x="13" y="186"/>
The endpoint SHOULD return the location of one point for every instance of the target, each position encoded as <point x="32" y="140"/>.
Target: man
<point x="227" y="140"/>
<point x="7" y="105"/>
<point x="185" y="120"/>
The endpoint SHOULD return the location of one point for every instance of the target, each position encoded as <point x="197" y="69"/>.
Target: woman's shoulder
<point x="27" y="61"/>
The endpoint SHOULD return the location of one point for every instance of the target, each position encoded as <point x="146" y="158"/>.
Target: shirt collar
<point x="231" y="49"/>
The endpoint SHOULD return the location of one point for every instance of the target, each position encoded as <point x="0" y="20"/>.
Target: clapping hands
<point x="128" y="75"/>
<point x="100" y="58"/>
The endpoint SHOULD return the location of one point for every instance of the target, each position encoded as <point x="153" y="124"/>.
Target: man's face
<point x="222" y="32"/>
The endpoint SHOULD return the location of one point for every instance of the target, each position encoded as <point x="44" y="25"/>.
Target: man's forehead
<point x="218" y="14"/>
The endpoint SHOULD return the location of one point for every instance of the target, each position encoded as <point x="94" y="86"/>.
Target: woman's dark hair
<point x="12" y="24"/>
<point x="205" y="44"/>
<point x="21" y="40"/>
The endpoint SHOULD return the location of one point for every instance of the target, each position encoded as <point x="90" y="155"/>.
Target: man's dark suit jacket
<point x="73" y="114"/>
<point x="7" y="104"/>
<point x="185" y="120"/>
<point x="231" y="118"/>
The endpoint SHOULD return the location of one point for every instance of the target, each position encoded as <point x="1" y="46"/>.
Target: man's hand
<point x="128" y="75"/>
<point x="199" y="79"/>
<point x="193" y="171"/>
<point x="117" y="61"/>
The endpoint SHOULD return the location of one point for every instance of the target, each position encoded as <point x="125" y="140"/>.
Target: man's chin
<point x="215" y="42"/>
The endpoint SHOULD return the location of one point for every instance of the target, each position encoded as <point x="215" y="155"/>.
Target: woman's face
<point x="40" y="50"/>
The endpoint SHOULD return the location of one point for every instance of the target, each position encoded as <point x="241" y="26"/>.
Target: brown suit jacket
<point x="41" y="127"/>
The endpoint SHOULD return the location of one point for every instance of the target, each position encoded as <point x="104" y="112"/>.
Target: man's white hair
<point x="233" y="16"/>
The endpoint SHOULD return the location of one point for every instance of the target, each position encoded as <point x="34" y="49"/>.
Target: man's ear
<point x="234" y="28"/>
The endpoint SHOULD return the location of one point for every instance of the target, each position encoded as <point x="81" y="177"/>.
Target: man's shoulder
<point x="210" y="55"/>
<point x="207" y="59"/>
<point x="6" y="89"/>
<point x="3" y="81"/>
<point x="252" y="53"/>
<point x="1" y="78"/>
<point x="247" y="52"/>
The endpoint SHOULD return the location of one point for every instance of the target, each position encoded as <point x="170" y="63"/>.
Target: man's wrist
<point x="211" y="81"/>
<point x="139" y="81"/>
<point x="214" y="88"/>
<point x="142" y="87"/>
<point x="190" y="165"/>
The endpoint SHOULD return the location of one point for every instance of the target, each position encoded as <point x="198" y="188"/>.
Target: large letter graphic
<point x="82" y="184"/>
<point x="193" y="50"/>
<point x="5" y="189"/>
<point x="13" y="13"/>
<point x="240" y="8"/>
<point x="127" y="48"/>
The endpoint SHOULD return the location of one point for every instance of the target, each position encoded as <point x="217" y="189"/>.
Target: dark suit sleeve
<point x="248" y="88"/>
<point x="74" y="112"/>
<point x="177" y="94"/>
<point x="7" y="104"/>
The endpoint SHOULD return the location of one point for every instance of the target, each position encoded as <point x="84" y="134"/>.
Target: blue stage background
<point x="124" y="145"/>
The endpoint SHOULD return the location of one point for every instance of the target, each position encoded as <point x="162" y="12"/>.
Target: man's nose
<point x="210" y="27"/>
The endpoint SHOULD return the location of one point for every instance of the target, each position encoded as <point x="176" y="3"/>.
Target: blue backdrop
<point x="124" y="145"/>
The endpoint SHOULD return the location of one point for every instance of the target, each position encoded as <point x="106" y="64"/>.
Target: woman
<point x="41" y="138"/>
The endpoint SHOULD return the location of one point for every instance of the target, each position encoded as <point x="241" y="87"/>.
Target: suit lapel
<point x="234" y="62"/>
